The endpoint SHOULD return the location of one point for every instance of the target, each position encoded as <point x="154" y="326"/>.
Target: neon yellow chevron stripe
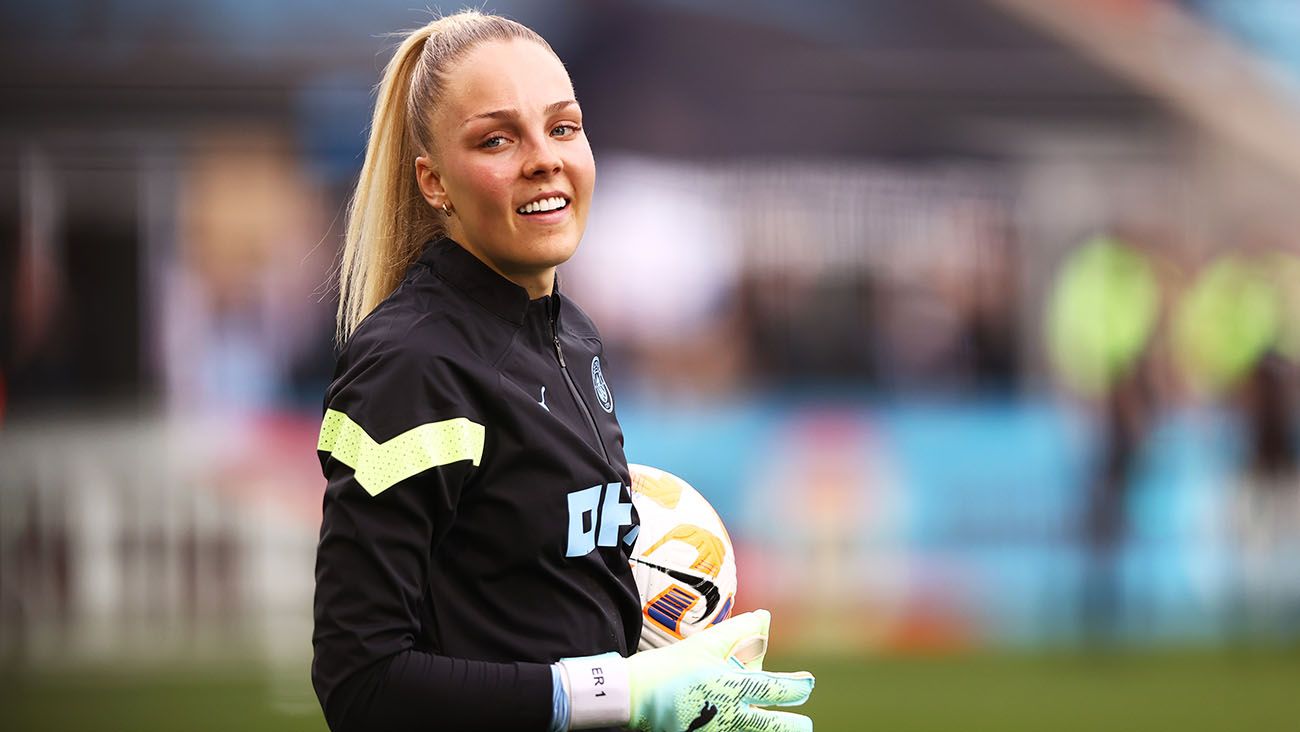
<point x="380" y="466"/>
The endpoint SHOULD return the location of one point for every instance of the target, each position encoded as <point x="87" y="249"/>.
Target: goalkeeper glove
<point x="710" y="681"/>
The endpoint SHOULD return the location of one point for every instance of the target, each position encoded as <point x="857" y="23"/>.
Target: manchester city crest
<point x="602" y="389"/>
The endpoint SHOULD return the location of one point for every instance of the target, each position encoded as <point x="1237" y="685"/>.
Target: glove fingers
<point x="732" y="634"/>
<point x="762" y="720"/>
<point x="749" y="652"/>
<point x="765" y="688"/>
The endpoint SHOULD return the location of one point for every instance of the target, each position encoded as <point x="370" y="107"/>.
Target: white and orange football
<point x="682" y="560"/>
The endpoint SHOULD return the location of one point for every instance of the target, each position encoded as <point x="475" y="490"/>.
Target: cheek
<point x="484" y="188"/>
<point x="582" y="170"/>
<point x="494" y="190"/>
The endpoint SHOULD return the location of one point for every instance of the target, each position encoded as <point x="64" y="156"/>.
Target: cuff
<point x="599" y="690"/>
<point x="559" y="700"/>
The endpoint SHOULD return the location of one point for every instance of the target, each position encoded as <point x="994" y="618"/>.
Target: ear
<point x="430" y="182"/>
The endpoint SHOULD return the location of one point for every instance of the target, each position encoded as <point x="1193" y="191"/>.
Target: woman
<point x="472" y="571"/>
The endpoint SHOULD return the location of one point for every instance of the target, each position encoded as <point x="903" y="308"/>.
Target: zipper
<point x="577" y="395"/>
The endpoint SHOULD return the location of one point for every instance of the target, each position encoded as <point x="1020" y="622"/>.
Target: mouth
<point x="546" y="205"/>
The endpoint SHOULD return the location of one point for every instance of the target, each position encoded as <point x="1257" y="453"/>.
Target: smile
<point x="545" y="205"/>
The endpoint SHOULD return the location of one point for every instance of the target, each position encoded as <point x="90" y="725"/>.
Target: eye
<point x="492" y="142"/>
<point x="563" y="130"/>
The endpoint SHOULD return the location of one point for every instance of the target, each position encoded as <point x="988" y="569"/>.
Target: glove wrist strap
<point x="599" y="691"/>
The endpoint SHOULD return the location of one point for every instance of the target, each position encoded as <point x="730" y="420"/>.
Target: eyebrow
<point x="551" y="108"/>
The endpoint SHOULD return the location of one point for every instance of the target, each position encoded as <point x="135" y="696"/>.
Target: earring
<point x="446" y="210"/>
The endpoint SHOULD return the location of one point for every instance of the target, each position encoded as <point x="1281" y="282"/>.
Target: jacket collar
<point x="462" y="270"/>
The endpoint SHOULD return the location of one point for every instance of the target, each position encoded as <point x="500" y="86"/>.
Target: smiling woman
<point x="433" y="150"/>
<point x="472" y="570"/>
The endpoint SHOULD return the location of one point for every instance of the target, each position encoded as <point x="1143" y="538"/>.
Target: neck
<point x="538" y="286"/>
<point x="538" y="283"/>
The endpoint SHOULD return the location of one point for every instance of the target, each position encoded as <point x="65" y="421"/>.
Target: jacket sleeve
<point x="398" y="441"/>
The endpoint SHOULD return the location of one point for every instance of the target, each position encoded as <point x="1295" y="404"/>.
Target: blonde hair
<point x="388" y="220"/>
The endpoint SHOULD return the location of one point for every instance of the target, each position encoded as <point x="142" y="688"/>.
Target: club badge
<point x="602" y="389"/>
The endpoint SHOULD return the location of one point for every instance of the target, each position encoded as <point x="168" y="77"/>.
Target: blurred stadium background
<point x="978" y="321"/>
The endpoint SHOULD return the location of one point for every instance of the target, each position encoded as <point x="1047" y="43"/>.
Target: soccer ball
<point x="682" y="560"/>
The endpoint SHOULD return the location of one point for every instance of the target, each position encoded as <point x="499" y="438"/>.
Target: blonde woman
<point x="472" y="571"/>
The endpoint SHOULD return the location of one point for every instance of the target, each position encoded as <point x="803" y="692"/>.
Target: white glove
<point x="708" y="682"/>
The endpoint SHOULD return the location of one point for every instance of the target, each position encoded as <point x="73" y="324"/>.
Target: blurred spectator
<point x="237" y="308"/>
<point x="38" y="347"/>
<point x="1226" y="321"/>
<point x="669" y="319"/>
<point x="1103" y="312"/>
<point x="1267" y="506"/>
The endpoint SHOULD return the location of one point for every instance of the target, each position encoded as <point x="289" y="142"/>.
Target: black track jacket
<point x="477" y="522"/>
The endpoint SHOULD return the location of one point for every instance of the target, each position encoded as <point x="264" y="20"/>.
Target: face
<point x="509" y="143"/>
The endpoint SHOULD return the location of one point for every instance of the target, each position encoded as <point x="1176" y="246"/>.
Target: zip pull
<point x="559" y="351"/>
<point x="555" y="332"/>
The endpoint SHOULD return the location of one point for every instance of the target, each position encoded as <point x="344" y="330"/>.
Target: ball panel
<point x="708" y="549"/>
<point x="662" y="488"/>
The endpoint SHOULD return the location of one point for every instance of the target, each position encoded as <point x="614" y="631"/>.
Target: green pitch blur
<point x="1176" y="691"/>
<point x="1179" y="692"/>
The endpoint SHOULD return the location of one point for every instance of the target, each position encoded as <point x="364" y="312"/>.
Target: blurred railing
<point x="128" y="540"/>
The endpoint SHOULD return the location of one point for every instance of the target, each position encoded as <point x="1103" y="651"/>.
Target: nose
<point x="543" y="160"/>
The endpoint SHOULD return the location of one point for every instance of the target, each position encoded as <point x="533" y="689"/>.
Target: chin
<point x="553" y="251"/>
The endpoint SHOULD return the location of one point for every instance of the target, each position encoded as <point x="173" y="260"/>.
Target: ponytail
<point x="388" y="220"/>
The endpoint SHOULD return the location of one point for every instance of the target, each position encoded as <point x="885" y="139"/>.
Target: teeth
<point x="546" y="204"/>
